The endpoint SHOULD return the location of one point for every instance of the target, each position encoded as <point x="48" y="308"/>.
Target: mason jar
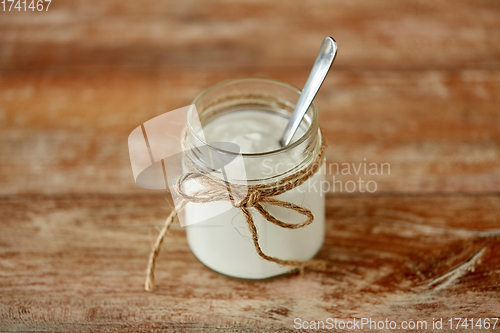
<point x="252" y="113"/>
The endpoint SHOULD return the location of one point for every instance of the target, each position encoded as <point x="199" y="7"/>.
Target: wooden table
<point x="416" y="84"/>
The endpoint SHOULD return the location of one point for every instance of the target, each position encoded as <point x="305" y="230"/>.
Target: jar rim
<point x="300" y="140"/>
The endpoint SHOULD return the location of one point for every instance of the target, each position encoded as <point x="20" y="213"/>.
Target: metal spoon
<point x="325" y="58"/>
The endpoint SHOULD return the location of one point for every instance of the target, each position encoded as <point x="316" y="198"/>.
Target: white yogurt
<point x="223" y="242"/>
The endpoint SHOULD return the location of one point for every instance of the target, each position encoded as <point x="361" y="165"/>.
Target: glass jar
<point x="221" y="239"/>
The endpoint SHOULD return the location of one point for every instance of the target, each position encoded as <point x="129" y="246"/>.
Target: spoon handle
<point x="325" y="58"/>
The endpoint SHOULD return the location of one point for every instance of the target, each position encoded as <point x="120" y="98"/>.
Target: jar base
<point x="266" y="278"/>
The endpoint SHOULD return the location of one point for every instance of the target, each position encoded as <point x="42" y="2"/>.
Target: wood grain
<point x="384" y="34"/>
<point x="78" y="263"/>
<point x="438" y="130"/>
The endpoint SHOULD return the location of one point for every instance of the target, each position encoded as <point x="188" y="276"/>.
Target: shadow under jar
<point x="253" y="113"/>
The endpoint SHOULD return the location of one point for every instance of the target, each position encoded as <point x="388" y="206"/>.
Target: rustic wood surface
<point x="416" y="84"/>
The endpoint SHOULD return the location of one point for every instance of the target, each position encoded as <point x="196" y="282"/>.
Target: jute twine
<point x="244" y="197"/>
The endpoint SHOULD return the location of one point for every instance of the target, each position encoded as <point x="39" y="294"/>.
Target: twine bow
<point x="244" y="197"/>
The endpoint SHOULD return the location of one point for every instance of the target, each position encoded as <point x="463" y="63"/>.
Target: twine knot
<point x="251" y="200"/>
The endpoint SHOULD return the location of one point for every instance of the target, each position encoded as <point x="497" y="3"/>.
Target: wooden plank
<point x="415" y="85"/>
<point x="438" y="130"/>
<point x="77" y="264"/>
<point x="385" y="34"/>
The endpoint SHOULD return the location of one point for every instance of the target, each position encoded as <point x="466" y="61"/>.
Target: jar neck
<point x="272" y="97"/>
